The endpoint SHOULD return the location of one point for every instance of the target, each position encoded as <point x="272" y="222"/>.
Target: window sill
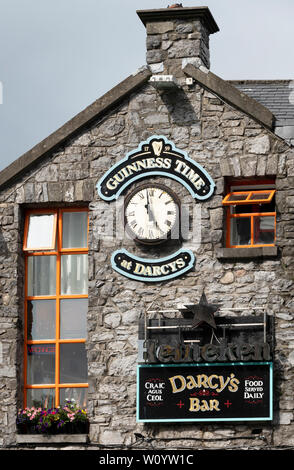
<point x="239" y="253"/>
<point x="52" y="438"/>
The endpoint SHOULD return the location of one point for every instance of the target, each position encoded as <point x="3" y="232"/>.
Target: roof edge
<point x="232" y="95"/>
<point x="71" y="127"/>
<point x="260" y="81"/>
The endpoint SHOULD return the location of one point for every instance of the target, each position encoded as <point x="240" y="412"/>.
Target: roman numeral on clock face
<point x="151" y="212"/>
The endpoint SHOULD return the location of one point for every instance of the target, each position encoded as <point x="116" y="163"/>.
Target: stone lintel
<point x="231" y="95"/>
<point x="72" y="127"/>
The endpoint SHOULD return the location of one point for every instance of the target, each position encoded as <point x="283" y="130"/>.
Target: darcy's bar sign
<point x="219" y="392"/>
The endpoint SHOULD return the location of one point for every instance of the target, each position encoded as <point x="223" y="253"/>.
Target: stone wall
<point x="226" y="143"/>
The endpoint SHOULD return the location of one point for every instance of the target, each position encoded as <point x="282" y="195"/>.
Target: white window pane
<point x="74" y="229"/>
<point x="41" y="319"/>
<point x="40" y="364"/>
<point x="74" y="274"/>
<point x="73" y="363"/>
<point x="73" y="321"/>
<point x="41" y="233"/>
<point x="41" y="275"/>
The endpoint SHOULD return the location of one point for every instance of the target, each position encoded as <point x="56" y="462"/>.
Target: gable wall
<point x="226" y="143"/>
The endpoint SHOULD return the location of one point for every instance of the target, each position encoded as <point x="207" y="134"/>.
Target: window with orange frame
<point x="250" y="215"/>
<point x="56" y="303"/>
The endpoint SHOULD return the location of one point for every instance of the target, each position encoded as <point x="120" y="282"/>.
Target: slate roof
<point x="278" y="97"/>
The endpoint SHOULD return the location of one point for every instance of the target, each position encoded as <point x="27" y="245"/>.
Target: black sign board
<point x="206" y="392"/>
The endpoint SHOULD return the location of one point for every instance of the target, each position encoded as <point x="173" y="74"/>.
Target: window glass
<point x="77" y="395"/>
<point x="260" y="196"/>
<point x="74" y="229"/>
<point x="73" y="363"/>
<point x="241" y="231"/>
<point x="264" y="230"/>
<point x="41" y="319"/>
<point x="237" y="197"/>
<point x="41" y="397"/>
<point x="73" y="318"/>
<point x="74" y="274"/>
<point x="41" y="276"/>
<point x="41" y="232"/>
<point x="40" y="363"/>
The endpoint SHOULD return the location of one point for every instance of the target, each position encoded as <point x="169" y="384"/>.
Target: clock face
<point x="151" y="212"/>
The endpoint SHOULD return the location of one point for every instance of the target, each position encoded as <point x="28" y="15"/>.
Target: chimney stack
<point x="177" y="36"/>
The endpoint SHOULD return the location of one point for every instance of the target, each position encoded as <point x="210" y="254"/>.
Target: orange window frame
<point x="250" y="215"/>
<point x="26" y="230"/>
<point x="57" y="252"/>
<point x="227" y="201"/>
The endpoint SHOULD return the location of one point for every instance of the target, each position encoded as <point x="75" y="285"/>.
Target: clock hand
<point x="147" y="205"/>
<point x="149" y="209"/>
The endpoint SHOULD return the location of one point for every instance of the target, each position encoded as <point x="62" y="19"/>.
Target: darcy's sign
<point x="156" y="157"/>
<point x="151" y="270"/>
<point x="218" y="392"/>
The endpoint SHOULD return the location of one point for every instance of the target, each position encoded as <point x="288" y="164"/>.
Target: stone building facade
<point x="232" y="136"/>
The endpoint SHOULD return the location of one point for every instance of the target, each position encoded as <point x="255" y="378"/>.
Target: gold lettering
<point x="182" y="385"/>
<point x="194" y="404"/>
<point x="214" y="405"/>
<point x="234" y="382"/>
<point x="202" y="381"/>
<point x="203" y="405"/>
<point x="192" y="382"/>
<point x="209" y="381"/>
<point x="223" y="383"/>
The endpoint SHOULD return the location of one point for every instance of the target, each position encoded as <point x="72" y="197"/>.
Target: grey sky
<point x="58" y="56"/>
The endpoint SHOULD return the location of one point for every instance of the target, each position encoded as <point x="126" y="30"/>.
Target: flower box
<point x="69" y="419"/>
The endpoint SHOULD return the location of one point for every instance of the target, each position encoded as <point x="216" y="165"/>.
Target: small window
<point x="40" y="232"/>
<point x="251" y="218"/>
